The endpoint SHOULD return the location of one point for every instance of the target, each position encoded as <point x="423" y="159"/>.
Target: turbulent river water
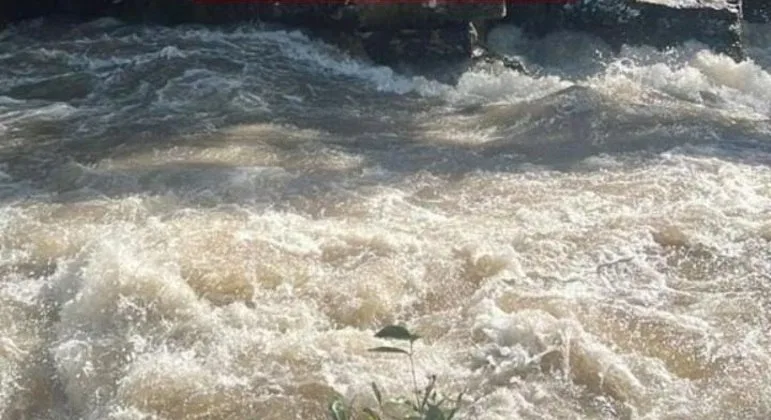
<point x="201" y="223"/>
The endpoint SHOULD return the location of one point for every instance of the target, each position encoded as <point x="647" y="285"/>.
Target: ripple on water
<point x="241" y="271"/>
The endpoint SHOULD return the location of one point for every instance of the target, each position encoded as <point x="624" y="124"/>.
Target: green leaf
<point x="396" y="332"/>
<point x="388" y="350"/>
<point x="378" y="395"/>
<point x="434" y="413"/>
<point x="338" y="411"/>
<point x="371" y="415"/>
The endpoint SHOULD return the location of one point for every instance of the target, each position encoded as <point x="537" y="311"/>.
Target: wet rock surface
<point x="659" y="23"/>
<point x="757" y="11"/>
<point x="438" y="31"/>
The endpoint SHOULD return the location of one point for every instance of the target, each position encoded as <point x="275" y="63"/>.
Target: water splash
<point x="219" y="225"/>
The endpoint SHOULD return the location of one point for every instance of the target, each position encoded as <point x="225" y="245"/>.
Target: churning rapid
<point x="201" y="223"/>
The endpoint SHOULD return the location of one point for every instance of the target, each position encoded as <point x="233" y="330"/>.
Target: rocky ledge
<point x="438" y="31"/>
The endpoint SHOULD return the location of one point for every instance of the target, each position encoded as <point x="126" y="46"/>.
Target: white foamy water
<point x="203" y="224"/>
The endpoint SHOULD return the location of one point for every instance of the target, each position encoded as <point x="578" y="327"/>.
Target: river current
<point x="212" y="223"/>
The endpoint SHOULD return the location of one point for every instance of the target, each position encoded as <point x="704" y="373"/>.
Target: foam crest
<point x="178" y="384"/>
<point x="708" y="79"/>
<point x="505" y="87"/>
<point x="745" y="81"/>
<point x="298" y="47"/>
<point x="691" y="73"/>
<point x="44" y="112"/>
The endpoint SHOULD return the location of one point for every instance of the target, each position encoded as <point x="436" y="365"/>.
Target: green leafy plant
<point x="426" y="404"/>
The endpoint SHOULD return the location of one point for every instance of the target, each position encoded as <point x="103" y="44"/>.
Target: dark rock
<point x="441" y="54"/>
<point x="437" y="53"/>
<point x="365" y="16"/>
<point x="419" y="45"/>
<point x="11" y="11"/>
<point x="757" y="11"/>
<point x="426" y="14"/>
<point x="659" y="23"/>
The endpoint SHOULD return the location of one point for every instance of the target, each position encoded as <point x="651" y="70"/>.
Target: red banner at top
<point x="342" y="2"/>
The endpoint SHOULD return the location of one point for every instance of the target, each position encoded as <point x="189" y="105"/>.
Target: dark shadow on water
<point x="577" y="123"/>
<point x="556" y="133"/>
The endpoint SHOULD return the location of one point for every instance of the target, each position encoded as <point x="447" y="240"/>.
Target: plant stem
<point x="414" y="380"/>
